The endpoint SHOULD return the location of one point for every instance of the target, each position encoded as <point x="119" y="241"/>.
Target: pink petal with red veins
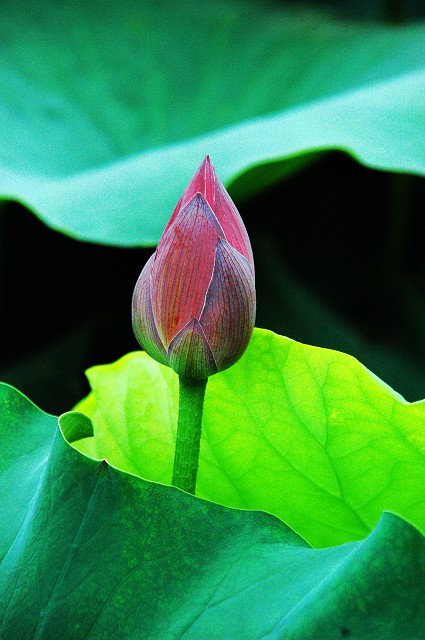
<point x="143" y="321"/>
<point x="190" y="354"/>
<point x="231" y="223"/>
<point x="202" y="182"/>
<point x="183" y="267"/>
<point x="174" y="215"/>
<point x="229" y="314"/>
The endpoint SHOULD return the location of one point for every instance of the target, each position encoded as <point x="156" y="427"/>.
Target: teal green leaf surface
<point x="307" y="434"/>
<point x="106" y="109"/>
<point x="97" y="553"/>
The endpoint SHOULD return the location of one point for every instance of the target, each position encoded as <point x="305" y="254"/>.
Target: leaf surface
<point x="305" y="433"/>
<point x="101" y="554"/>
<point x="104" y="115"/>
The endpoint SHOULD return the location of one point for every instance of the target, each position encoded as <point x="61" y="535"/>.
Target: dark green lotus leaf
<point x="98" y="554"/>
<point x="107" y="108"/>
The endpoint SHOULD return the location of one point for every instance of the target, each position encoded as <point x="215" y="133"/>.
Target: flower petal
<point x="183" y="267"/>
<point x="202" y="182"/>
<point x="190" y="354"/>
<point x="229" y="313"/>
<point x="206" y="182"/>
<point x="143" y="321"/>
<point x="231" y="223"/>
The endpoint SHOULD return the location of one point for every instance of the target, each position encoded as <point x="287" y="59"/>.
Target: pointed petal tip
<point x="198" y="196"/>
<point x="190" y="354"/>
<point x="199" y="202"/>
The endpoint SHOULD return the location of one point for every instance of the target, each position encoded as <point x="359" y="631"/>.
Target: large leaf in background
<point x="97" y="553"/>
<point x="307" y="434"/>
<point x="106" y="108"/>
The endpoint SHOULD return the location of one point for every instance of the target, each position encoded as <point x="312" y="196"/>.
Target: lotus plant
<point x="194" y="303"/>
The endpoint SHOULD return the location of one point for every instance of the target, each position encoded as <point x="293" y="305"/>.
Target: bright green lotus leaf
<point x="307" y="434"/>
<point x="98" y="554"/>
<point x="106" y="109"/>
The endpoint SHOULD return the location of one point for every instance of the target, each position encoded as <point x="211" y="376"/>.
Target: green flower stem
<point x="189" y="427"/>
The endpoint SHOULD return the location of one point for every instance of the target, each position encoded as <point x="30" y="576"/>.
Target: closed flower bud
<point x="194" y="302"/>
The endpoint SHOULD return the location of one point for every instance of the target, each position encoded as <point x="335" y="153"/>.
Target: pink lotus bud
<point x="194" y="302"/>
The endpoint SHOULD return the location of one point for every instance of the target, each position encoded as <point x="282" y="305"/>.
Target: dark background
<point x="340" y="265"/>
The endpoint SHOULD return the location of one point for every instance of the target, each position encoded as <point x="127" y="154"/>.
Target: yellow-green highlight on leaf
<point x="101" y="126"/>
<point x="98" y="553"/>
<point x="305" y="433"/>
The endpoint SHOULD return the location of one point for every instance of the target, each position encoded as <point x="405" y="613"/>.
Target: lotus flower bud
<point x="194" y="302"/>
